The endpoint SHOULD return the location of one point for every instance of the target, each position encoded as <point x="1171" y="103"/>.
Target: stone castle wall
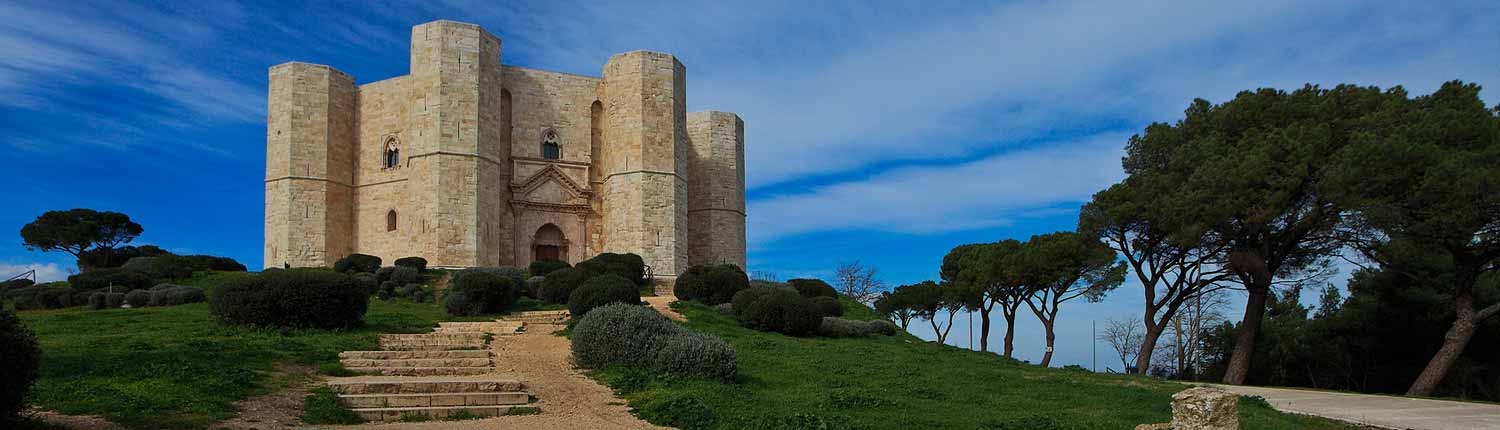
<point x="472" y="187"/>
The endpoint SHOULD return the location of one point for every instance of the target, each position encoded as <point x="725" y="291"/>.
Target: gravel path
<point x="1380" y="411"/>
<point x="568" y="400"/>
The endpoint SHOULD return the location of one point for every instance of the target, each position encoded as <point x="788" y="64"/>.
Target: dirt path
<point x="280" y="409"/>
<point x="568" y="400"/>
<point x="662" y="304"/>
<point x="1379" y="411"/>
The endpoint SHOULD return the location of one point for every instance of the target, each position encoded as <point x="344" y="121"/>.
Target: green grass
<point x="176" y="367"/>
<point x="322" y="407"/>
<point x="899" y="382"/>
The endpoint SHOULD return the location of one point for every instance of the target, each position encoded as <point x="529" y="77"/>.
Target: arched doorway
<point x="549" y="243"/>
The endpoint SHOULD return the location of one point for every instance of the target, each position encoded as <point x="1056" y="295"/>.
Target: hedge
<point x="828" y="306"/>
<point x="19" y="358"/>
<point x="418" y="263"/>
<point x="545" y="266"/>
<point x="628" y="266"/>
<point x="711" y="285"/>
<point x="138" y="298"/>
<point x="839" y="327"/>
<point x="479" y="291"/>
<point x="695" y="354"/>
<point x="813" y="288"/>
<point x="121" y="279"/>
<point x="357" y="263"/>
<point x="776" y="310"/>
<point x="560" y="284"/>
<point x="173" y="295"/>
<point x="602" y="290"/>
<point x="292" y="298"/>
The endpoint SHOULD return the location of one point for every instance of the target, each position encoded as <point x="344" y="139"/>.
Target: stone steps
<point x="412" y="355"/>
<point x="491" y="327"/>
<point x="538" y="317"/>
<point x="421" y="371"/>
<point x="352" y="363"/>
<point x="434" y="399"/>
<point x="433" y="341"/>
<point x="435" y="412"/>
<point x="418" y="385"/>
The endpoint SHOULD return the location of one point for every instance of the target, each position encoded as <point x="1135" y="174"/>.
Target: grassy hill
<point x="900" y="382"/>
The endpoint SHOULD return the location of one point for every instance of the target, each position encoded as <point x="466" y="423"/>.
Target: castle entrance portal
<point x="549" y="243"/>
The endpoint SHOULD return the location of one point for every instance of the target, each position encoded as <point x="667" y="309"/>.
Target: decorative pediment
<point x="550" y="174"/>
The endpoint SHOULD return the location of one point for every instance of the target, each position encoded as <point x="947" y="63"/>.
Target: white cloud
<point x="49" y="272"/>
<point x="988" y="192"/>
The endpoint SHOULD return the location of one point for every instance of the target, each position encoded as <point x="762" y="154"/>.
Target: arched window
<point x="390" y="220"/>
<point x="551" y="147"/>
<point x="392" y="154"/>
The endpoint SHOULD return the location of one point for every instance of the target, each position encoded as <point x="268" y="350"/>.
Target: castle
<point x="469" y="162"/>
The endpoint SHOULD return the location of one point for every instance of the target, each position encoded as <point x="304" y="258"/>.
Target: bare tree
<point x="1186" y="328"/>
<point x="857" y="281"/>
<point x="1125" y="337"/>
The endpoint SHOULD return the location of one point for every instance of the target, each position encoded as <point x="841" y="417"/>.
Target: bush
<point x="138" y="298"/>
<point x="418" y="263"/>
<point x="55" y="298"/>
<point x="367" y="282"/>
<point x="405" y="275"/>
<point x="357" y="263"/>
<point x="292" y="298"/>
<point x="16" y="283"/>
<point x="742" y="299"/>
<point x="19" y="357"/>
<point x="480" y="291"/>
<point x="96" y="301"/>
<point x="839" y="327"/>
<point x="698" y="354"/>
<point x="560" y="284"/>
<point x="620" y="334"/>
<point x="113" y="300"/>
<point x="384" y="274"/>
<point x="546" y="266"/>
<point x="780" y="311"/>
<point x="602" y="290"/>
<point x="813" y="288"/>
<point x="121" y="279"/>
<point x="628" y="266"/>
<point x="201" y="263"/>
<point x="711" y="285"/>
<point x="828" y="306"/>
<point x="173" y="295"/>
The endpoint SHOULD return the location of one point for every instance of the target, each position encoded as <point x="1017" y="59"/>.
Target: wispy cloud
<point x="989" y="192"/>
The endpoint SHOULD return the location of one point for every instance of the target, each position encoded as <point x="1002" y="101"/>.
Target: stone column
<point x="645" y="160"/>
<point x="310" y="140"/>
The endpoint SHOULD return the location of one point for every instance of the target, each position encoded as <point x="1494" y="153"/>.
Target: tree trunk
<point x="984" y="331"/>
<point x="1454" y="343"/>
<point x="1148" y="346"/>
<point x="1051" y="336"/>
<point x="1244" y="343"/>
<point x="1010" y="335"/>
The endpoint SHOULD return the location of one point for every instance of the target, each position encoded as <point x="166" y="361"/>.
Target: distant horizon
<point x="885" y="133"/>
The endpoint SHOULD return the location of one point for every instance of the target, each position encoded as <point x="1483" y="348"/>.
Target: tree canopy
<point x="76" y="231"/>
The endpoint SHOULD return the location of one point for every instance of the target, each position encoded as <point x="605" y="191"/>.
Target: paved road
<point x="1380" y="411"/>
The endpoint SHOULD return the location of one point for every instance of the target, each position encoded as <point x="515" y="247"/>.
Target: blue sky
<point x="885" y="132"/>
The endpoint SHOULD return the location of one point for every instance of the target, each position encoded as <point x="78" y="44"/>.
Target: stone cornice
<point x="550" y="172"/>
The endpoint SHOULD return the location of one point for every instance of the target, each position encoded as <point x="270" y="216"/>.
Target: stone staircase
<point x="397" y="398"/>
<point x="439" y="375"/>
<point x="537" y="317"/>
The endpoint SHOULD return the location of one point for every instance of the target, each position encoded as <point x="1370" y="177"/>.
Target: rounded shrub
<point x="292" y="298"/>
<point x="384" y="274"/>
<point x="96" y="301"/>
<point x="479" y="291"/>
<point x="619" y="334"/>
<point x="628" y="266"/>
<point x="545" y="266"/>
<point x="138" y="298"/>
<point x="813" y="288"/>
<point x="828" y="306"/>
<point x="780" y="311"/>
<point x="357" y="263"/>
<point x="418" y="263"/>
<point x="121" y="280"/>
<point x="16" y="283"/>
<point x="173" y="295"/>
<point x="19" y="357"/>
<point x="883" y="327"/>
<point x="743" y="298"/>
<point x="405" y="275"/>
<point x="533" y="288"/>
<point x="711" y="285"/>
<point x="56" y="298"/>
<point x="602" y="290"/>
<point x="561" y="283"/>
<point x="698" y="354"/>
<point x="215" y="263"/>
<point x="113" y="300"/>
<point x="367" y="282"/>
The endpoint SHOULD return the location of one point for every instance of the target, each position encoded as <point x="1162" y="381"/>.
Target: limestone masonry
<point x="469" y="162"/>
